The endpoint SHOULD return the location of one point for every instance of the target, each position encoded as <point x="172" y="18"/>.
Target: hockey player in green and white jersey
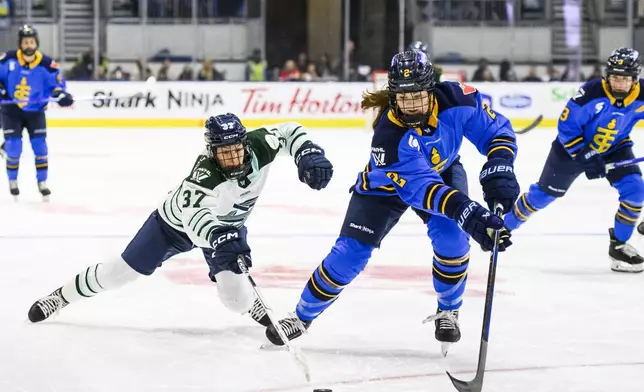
<point x="207" y="210"/>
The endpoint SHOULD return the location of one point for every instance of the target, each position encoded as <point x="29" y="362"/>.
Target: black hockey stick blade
<point x="476" y="384"/>
<point x="530" y="127"/>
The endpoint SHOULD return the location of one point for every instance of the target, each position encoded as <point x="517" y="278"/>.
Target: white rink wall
<point x="316" y="105"/>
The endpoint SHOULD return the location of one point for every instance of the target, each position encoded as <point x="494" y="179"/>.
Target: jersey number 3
<point x="187" y="196"/>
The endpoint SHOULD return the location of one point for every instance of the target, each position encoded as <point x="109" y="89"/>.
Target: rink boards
<point x="315" y="105"/>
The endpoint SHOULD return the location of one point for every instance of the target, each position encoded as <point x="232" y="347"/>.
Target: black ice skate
<point x="44" y="191"/>
<point x="293" y="328"/>
<point x="623" y="257"/>
<point x="47" y="306"/>
<point x="258" y="313"/>
<point x="13" y="189"/>
<point x="447" y="329"/>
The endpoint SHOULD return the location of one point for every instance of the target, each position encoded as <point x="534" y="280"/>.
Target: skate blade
<point x="45" y="199"/>
<point x="272" y="347"/>
<point x="445" y="348"/>
<point x="620" y="266"/>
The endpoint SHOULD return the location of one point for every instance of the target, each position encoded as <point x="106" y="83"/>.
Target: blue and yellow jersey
<point x="37" y="80"/>
<point x="408" y="162"/>
<point x="593" y="117"/>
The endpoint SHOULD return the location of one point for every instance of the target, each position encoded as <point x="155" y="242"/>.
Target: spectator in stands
<point x="480" y="73"/>
<point x="255" y="67"/>
<point x="311" y="74"/>
<point x="533" y="75"/>
<point x="186" y="73"/>
<point x="119" y="75"/>
<point x="506" y="73"/>
<point x="208" y="72"/>
<point x="324" y="68"/>
<point x="144" y="71"/>
<point x="162" y="75"/>
<point x="302" y="62"/>
<point x="290" y="72"/>
<point x="597" y="72"/>
<point x="83" y="68"/>
<point x="552" y="74"/>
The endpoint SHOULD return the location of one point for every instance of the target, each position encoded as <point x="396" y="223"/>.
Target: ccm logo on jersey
<point x="496" y="169"/>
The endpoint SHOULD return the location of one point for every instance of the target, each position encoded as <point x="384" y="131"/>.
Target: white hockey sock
<point x="98" y="278"/>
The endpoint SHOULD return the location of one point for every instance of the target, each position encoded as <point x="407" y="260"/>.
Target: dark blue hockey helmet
<point x="227" y="145"/>
<point x="411" y="80"/>
<point x="418" y="45"/>
<point x="28" y="31"/>
<point x="622" y="62"/>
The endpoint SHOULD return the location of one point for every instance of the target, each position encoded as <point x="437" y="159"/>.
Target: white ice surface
<point x="562" y="320"/>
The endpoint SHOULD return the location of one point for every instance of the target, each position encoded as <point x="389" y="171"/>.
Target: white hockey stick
<point x="295" y="352"/>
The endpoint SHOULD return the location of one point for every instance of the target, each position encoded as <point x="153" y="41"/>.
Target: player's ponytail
<point x="376" y="100"/>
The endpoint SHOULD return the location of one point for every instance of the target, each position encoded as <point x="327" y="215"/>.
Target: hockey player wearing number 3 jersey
<point x="207" y="210"/>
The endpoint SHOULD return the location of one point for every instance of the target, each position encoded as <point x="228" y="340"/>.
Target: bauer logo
<point x="515" y="101"/>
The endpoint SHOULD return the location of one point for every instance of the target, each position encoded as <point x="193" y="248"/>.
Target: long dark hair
<point x="375" y="100"/>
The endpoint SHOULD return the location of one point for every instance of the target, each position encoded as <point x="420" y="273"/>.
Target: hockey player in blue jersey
<point x="415" y="162"/>
<point x="29" y="75"/>
<point x="594" y="130"/>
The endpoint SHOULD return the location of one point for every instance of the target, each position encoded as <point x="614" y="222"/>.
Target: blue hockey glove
<point x="313" y="168"/>
<point x="64" y="98"/>
<point x="480" y="223"/>
<point x="499" y="184"/>
<point x="229" y="243"/>
<point x="592" y="162"/>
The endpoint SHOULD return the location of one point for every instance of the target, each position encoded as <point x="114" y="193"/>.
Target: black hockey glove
<point x="499" y="184"/>
<point x="592" y="162"/>
<point x="480" y="223"/>
<point x="313" y="168"/>
<point x="64" y="98"/>
<point x="229" y="243"/>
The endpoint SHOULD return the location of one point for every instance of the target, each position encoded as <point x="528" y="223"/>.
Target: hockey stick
<point x="476" y="384"/>
<point x="76" y="99"/>
<point x="530" y="127"/>
<point x="296" y="353"/>
<point x="627" y="162"/>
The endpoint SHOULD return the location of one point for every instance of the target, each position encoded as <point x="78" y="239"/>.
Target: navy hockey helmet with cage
<point x="227" y="130"/>
<point x="623" y="62"/>
<point x="28" y="31"/>
<point x="411" y="72"/>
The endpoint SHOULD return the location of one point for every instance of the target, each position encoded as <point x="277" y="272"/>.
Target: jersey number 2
<point x="187" y="195"/>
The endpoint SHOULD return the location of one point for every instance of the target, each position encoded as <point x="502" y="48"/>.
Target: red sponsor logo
<point x="304" y="100"/>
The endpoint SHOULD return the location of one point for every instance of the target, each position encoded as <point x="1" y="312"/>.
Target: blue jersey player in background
<point x="28" y="75"/>
<point x="594" y="129"/>
<point x="415" y="163"/>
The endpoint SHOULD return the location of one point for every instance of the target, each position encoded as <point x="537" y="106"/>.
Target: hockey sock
<point x="526" y="205"/>
<point x="450" y="277"/>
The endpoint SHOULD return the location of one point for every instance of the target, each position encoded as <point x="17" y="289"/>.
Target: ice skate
<point x="623" y="257"/>
<point x="258" y="313"/>
<point x="44" y="190"/>
<point x="447" y="329"/>
<point x="47" y="306"/>
<point x="292" y="326"/>
<point x="13" y="189"/>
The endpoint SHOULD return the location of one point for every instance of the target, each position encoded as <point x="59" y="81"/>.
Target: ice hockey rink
<point x="562" y="320"/>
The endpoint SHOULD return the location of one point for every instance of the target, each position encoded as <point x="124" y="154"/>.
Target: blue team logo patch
<point x="515" y="101"/>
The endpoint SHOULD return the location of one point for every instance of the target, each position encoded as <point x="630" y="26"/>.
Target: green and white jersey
<point x="205" y="200"/>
